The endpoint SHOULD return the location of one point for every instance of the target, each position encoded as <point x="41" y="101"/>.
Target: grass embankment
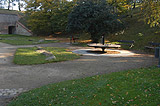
<point x="24" y="40"/>
<point x="133" y="87"/>
<point x="29" y="56"/>
<point x="6" y="11"/>
<point x="138" y="31"/>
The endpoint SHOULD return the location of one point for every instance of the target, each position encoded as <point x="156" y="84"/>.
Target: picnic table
<point x="103" y="46"/>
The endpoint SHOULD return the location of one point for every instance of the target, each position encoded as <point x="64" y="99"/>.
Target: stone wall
<point x="9" y="24"/>
<point x="22" y="30"/>
<point x="7" y="20"/>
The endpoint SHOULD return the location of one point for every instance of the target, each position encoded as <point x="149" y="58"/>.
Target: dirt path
<point x="28" y="77"/>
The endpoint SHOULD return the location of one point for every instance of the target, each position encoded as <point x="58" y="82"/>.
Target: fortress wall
<point x="22" y="30"/>
<point x="7" y="20"/>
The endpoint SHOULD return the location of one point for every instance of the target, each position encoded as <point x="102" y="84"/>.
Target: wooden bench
<point x="152" y="45"/>
<point x="126" y="42"/>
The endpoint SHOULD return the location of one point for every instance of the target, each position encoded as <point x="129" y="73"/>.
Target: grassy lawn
<point x="138" y="87"/>
<point x="6" y="11"/>
<point x="23" y="40"/>
<point x="80" y="44"/>
<point x="29" y="56"/>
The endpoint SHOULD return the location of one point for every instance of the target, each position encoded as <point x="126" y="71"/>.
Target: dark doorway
<point x="11" y="29"/>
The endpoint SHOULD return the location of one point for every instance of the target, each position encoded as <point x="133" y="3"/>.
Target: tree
<point x="9" y="2"/>
<point x="48" y="16"/>
<point x="1" y="4"/>
<point x="95" y="18"/>
<point x="151" y="10"/>
<point x="20" y="4"/>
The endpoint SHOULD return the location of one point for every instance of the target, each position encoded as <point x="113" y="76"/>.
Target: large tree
<point x="48" y="16"/>
<point x="95" y="18"/>
<point x="151" y="10"/>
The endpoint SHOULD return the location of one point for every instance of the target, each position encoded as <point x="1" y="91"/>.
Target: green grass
<point x="23" y="40"/>
<point x="138" y="87"/>
<point x="29" y="56"/>
<point x="6" y="11"/>
<point x="80" y="44"/>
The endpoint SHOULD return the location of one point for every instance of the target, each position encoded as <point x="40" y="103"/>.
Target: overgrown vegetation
<point x="29" y="56"/>
<point x="133" y="87"/>
<point x="48" y="17"/>
<point x="151" y="12"/>
<point x="24" y="40"/>
<point x="138" y="31"/>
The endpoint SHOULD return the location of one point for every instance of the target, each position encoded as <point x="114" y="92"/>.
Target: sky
<point x="13" y="7"/>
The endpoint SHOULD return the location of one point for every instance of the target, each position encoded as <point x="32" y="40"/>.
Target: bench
<point x="126" y="42"/>
<point x="152" y="45"/>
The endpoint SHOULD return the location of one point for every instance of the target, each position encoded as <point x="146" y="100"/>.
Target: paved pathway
<point x="15" y="79"/>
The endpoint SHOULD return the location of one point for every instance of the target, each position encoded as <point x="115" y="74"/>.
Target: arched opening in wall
<point x="11" y="29"/>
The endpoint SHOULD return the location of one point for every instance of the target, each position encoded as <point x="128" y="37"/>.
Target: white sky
<point x="13" y="7"/>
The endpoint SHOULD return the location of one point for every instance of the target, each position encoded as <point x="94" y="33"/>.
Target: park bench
<point x="152" y="45"/>
<point x="126" y="42"/>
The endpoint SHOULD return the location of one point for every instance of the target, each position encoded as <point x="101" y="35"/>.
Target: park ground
<point x="29" y="77"/>
<point x="136" y="76"/>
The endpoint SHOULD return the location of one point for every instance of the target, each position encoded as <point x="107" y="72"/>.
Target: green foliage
<point x="151" y="10"/>
<point x="29" y="56"/>
<point x="121" y="6"/>
<point x="48" y="16"/>
<point x="95" y="18"/>
<point x="129" y="88"/>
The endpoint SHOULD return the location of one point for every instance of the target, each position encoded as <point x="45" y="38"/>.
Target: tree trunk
<point x="9" y="2"/>
<point x="134" y="5"/>
<point x="19" y="5"/>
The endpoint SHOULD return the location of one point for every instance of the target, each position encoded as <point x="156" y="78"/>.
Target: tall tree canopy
<point x="151" y="10"/>
<point x="48" y="16"/>
<point x="95" y="18"/>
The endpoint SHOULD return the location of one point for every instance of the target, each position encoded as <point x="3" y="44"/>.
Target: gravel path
<point x="15" y="79"/>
